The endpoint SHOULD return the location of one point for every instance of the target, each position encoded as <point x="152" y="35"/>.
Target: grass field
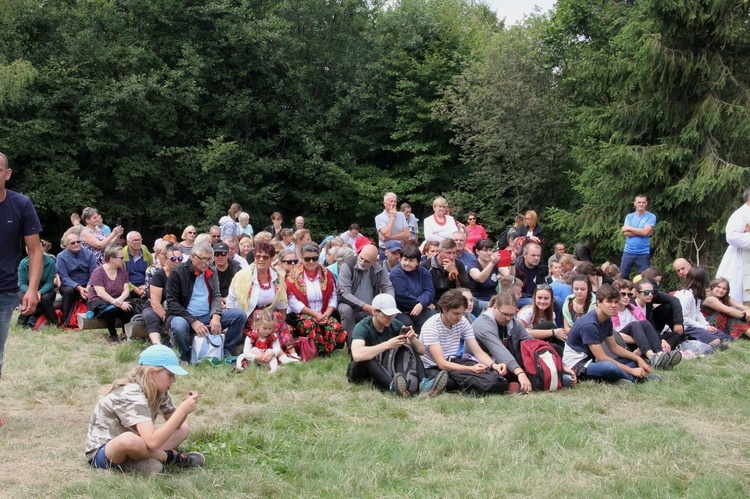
<point x="306" y="432"/>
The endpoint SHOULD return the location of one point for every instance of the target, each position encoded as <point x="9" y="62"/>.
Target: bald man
<point x="681" y="267"/>
<point x="361" y="279"/>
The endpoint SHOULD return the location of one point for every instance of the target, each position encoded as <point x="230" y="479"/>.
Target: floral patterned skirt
<point x="280" y="327"/>
<point x="719" y="320"/>
<point x="328" y="337"/>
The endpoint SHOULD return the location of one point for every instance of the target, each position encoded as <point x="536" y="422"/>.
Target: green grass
<point x="305" y="431"/>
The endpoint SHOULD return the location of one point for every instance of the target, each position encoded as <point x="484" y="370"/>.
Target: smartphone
<point x="119" y="222"/>
<point x="404" y="330"/>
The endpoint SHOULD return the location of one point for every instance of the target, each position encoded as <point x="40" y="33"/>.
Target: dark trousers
<point x="111" y="315"/>
<point x="371" y="370"/>
<point x="69" y="297"/>
<point x="644" y="335"/>
<point x="46" y="306"/>
<point x="154" y="324"/>
<point x="416" y="321"/>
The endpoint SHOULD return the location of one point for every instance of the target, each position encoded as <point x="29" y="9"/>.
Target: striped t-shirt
<point x="434" y="332"/>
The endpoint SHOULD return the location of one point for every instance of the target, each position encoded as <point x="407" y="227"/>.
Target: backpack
<point x="477" y="383"/>
<point x="542" y="364"/>
<point x="401" y="360"/>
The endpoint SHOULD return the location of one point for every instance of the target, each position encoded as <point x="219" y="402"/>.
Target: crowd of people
<point x="450" y="308"/>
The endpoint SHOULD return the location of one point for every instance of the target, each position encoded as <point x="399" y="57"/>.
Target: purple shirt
<point x="114" y="287"/>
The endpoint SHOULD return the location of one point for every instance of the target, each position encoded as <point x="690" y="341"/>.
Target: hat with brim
<point x="386" y="304"/>
<point x="161" y="356"/>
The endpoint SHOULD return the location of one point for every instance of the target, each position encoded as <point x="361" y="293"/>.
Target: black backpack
<point x="479" y="384"/>
<point x="402" y="360"/>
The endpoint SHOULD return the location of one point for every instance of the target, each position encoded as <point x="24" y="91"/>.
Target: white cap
<point x="386" y="304"/>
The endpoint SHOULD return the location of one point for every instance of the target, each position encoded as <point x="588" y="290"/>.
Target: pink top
<point x="474" y="234"/>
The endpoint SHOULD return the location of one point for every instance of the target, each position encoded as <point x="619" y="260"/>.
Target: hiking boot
<point x="651" y="377"/>
<point x="398" y="385"/>
<point x="149" y="466"/>
<point x="623" y="382"/>
<point x="675" y="356"/>
<point x="188" y="459"/>
<point x="434" y="386"/>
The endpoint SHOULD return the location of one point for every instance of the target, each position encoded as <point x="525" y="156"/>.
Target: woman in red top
<point x="474" y="231"/>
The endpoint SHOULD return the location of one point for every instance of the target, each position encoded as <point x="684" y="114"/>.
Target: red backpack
<point x="542" y="364"/>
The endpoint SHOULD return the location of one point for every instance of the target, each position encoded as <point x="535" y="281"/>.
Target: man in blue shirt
<point x="18" y="223"/>
<point x="637" y="229"/>
<point x="74" y="266"/>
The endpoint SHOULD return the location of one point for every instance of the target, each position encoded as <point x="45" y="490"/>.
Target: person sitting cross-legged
<point x="584" y="347"/>
<point x="412" y="284"/>
<point x="379" y="333"/>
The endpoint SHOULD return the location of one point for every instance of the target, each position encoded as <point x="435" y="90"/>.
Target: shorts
<point x="100" y="459"/>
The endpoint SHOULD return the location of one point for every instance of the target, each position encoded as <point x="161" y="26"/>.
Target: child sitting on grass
<point x="122" y="431"/>
<point x="262" y="344"/>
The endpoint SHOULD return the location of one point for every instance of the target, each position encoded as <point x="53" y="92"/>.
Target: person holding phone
<point x="484" y="274"/>
<point x="375" y="335"/>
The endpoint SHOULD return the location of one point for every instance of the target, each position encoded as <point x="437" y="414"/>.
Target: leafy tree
<point x="660" y="90"/>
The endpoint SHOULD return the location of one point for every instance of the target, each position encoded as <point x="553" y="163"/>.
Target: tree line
<point x="163" y="113"/>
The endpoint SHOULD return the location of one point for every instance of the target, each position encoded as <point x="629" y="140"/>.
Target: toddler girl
<point x="262" y="344"/>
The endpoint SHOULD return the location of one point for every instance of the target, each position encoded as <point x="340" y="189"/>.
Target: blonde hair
<point x="264" y="316"/>
<point x="440" y="200"/>
<point x="141" y="376"/>
<point x="262" y="236"/>
<point x="533" y="216"/>
<point x="187" y="229"/>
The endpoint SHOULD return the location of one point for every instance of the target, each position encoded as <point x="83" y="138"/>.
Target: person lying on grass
<point x="591" y="333"/>
<point x="122" y="432"/>
<point x="375" y="335"/>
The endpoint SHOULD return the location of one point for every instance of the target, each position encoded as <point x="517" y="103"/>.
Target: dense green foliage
<point x="166" y="112"/>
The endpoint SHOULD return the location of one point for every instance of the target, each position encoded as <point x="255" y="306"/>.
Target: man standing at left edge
<point x="18" y="220"/>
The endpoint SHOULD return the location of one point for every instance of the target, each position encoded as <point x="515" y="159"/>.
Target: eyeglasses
<point x="220" y="254"/>
<point x="262" y="257"/>
<point x="290" y="262"/>
<point x="73" y="243"/>
<point x="136" y="240"/>
<point x="648" y="292"/>
<point x="204" y="259"/>
<point x="119" y="257"/>
<point x="309" y="259"/>
<point x="623" y="293"/>
<point x="503" y="314"/>
<point x="176" y="258"/>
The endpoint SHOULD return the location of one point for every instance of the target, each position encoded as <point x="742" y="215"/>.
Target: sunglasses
<point x="176" y="258"/>
<point x="471" y="218"/>
<point x="648" y="292"/>
<point x="73" y="243"/>
<point x="220" y="254"/>
<point x="191" y="232"/>
<point x="310" y="258"/>
<point x="262" y="257"/>
<point x="290" y="262"/>
<point x="623" y="293"/>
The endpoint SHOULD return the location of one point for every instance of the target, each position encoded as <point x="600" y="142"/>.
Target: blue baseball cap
<point x="161" y="356"/>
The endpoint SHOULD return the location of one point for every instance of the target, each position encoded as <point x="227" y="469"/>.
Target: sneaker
<point x="434" y="386"/>
<point x="652" y="377"/>
<point x="675" y="356"/>
<point x="622" y="382"/>
<point x="398" y="385"/>
<point x="188" y="459"/>
<point x="658" y="360"/>
<point x="723" y="346"/>
<point x="113" y="338"/>
<point x="149" y="466"/>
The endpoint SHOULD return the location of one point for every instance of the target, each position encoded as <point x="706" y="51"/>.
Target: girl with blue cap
<point x="122" y="431"/>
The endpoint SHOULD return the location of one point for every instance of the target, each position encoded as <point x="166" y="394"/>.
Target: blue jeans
<point x="607" y="371"/>
<point x="641" y="262"/>
<point x="231" y="319"/>
<point x="8" y="302"/>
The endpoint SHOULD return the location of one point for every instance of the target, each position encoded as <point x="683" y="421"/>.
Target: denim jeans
<point x="231" y="319"/>
<point x="607" y="371"/>
<point x="641" y="263"/>
<point x="8" y="302"/>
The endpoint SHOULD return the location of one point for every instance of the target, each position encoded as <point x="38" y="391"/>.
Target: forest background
<point x="164" y="113"/>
